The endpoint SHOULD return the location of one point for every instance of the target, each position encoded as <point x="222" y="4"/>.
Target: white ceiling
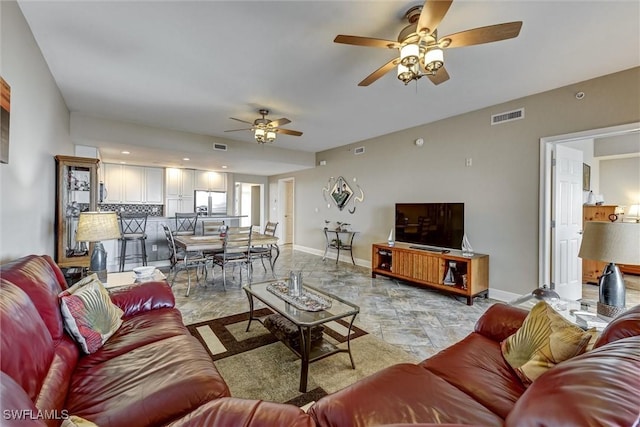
<point x="190" y="65"/>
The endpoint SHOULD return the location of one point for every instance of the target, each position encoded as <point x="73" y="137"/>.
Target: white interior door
<point x="566" y="268"/>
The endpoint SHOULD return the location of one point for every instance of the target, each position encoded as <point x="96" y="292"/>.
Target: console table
<point x="446" y="271"/>
<point x="340" y="241"/>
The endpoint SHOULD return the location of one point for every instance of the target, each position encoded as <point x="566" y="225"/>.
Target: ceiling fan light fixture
<point x="409" y="55"/>
<point x="260" y="135"/>
<point x="406" y="74"/>
<point x="271" y="136"/>
<point x="434" y="60"/>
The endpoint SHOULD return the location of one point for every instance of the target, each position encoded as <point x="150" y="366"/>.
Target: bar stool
<point x="133" y="227"/>
<point x="185" y="223"/>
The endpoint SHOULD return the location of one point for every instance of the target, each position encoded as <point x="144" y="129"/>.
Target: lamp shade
<point x="97" y="226"/>
<point x="617" y="242"/>
<point x="634" y="211"/>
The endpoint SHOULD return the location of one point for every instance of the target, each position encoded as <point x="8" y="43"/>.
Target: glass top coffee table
<point x="304" y="320"/>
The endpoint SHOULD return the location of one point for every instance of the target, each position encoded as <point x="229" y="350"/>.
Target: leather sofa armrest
<point x="500" y="321"/>
<point x="17" y="409"/>
<point x="143" y="297"/>
<point x="232" y="411"/>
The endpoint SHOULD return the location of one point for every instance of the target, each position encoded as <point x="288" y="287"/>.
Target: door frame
<point x="282" y="207"/>
<point x="547" y="149"/>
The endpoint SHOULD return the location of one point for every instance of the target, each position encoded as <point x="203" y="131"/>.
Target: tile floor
<point x="418" y="320"/>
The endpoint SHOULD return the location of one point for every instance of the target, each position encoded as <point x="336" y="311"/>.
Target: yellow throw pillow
<point x="544" y="340"/>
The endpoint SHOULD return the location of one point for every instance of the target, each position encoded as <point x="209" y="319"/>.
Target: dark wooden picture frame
<point x="586" y="177"/>
<point x="5" y="109"/>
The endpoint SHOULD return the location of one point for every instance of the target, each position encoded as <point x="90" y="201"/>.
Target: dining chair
<point x="265" y="251"/>
<point x="236" y="250"/>
<point x="185" y="223"/>
<point x="212" y="228"/>
<point x="183" y="260"/>
<point x="133" y="227"/>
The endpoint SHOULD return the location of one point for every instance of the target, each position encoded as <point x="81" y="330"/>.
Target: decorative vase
<point x="390" y="238"/>
<point x="467" y="250"/>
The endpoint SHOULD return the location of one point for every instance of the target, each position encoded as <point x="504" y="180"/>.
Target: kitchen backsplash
<point x="151" y="210"/>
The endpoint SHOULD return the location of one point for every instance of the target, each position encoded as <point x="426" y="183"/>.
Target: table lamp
<point x="612" y="242"/>
<point x="95" y="227"/>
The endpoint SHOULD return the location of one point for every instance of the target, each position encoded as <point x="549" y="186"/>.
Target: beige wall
<point x="39" y="130"/>
<point x="500" y="190"/>
<point x="620" y="181"/>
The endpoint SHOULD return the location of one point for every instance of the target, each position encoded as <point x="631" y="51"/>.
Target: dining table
<point x="194" y="243"/>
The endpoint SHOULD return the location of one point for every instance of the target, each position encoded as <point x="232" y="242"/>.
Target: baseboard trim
<point x="501" y="295"/>
<point x="331" y="256"/>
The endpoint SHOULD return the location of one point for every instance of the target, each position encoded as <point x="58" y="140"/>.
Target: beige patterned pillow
<point x="544" y="340"/>
<point x="89" y="315"/>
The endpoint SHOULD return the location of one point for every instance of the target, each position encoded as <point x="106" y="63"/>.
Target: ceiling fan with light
<point x="421" y="50"/>
<point x="265" y="130"/>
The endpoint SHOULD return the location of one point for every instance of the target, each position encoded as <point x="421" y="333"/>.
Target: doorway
<point x="248" y="203"/>
<point x="286" y="190"/>
<point x="547" y="244"/>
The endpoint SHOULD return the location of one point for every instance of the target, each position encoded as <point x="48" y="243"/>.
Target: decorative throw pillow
<point x="89" y="315"/>
<point x="544" y="340"/>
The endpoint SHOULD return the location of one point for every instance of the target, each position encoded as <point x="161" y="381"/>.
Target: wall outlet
<point x="154" y="248"/>
<point x="468" y="161"/>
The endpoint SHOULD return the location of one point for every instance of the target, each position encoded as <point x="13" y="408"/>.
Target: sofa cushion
<point x="42" y="280"/>
<point x="598" y="388"/>
<point x="17" y="408"/>
<point x="138" y="331"/>
<point x="475" y="365"/>
<point x="403" y="393"/>
<point x="26" y="347"/>
<point x="544" y="340"/>
<point x="500" y="321"/>
<point x="149" y="385"/>
<point x="230" y="411"/>
<point x="625" y="325"/>
<point x="142" y="297"/>
<point x="88" y="313"/>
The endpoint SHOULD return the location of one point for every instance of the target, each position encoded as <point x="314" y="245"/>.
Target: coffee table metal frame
<point x="304" y="321"/>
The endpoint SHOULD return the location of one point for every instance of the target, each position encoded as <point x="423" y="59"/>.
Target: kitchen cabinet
<point x="180" y="185"/>
<point x="133" y="184"/>
<point x="211" y="181"/>
<point x="76" y="191"/>
<point x="112" y="175"/>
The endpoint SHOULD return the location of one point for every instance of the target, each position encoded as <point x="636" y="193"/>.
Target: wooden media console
<point x="444" y="270"/>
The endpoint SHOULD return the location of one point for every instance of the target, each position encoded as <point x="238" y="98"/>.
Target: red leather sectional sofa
<point x="153" y="373"/>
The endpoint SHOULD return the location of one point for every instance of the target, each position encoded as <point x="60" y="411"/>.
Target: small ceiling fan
<point x="265" y="130"/>
<point x="421" y="50"/>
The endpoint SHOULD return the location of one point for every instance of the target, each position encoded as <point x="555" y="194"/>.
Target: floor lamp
<point x="95" y="227"/>
<point x="612" y="242"/>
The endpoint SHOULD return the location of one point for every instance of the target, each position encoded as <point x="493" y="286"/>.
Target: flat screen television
<point x="431" y="224"/>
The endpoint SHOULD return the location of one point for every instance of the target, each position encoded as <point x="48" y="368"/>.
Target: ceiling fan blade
<point x="288" y="132"/>
<point x="366" y="41"/>
<point x="491" y="33"/>
<point x="432" y="13"/>
<point x="243" y="121"/>
<point x="236" y="130"/>
<point x="279" y="122"/>
<point x="379" y="72"/>
<point x="441" y="76"/>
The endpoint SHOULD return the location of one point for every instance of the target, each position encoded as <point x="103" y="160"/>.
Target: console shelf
<point x="447" y="271"/>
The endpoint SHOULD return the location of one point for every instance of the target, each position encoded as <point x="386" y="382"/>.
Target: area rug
<point x="256" y="365"/>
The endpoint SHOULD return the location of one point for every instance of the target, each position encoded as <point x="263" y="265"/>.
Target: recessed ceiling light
<point x="186" y="159"/>
<point x="125" y="152"/>
<point x="123" y="163"/>
<point x="224" y="166"/>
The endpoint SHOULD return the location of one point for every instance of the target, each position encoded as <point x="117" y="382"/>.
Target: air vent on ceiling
<point x="219" y="147"/>
<point x="358" y="150"/>
<point x="509" y="116"/>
